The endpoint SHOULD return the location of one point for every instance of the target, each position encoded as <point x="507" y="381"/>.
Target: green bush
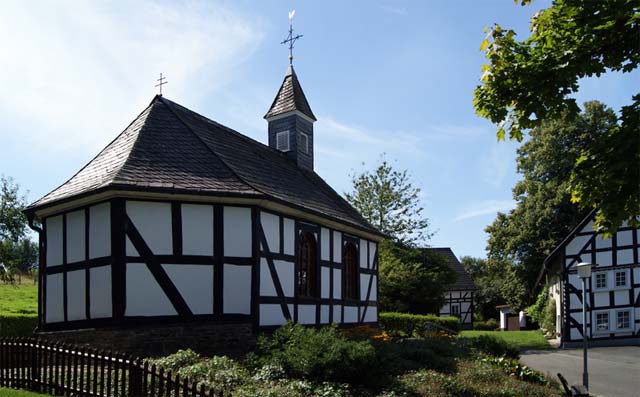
<point x="491" y="345"/>
<point x="316" y="355"/>
<point x="489" y="325"/>
<point x="12" y="325"/>
<point x="513" y="367"/>
<point x="400" y="356"/>
<point x="405" y="324"/>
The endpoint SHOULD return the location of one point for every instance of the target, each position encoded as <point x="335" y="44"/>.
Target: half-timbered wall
<point x="131" y="261"/>
<point x="613" y="292"/>
<point x="459" y="304"/>
<point x="278" y="298"/>
<point x="128" y="261"/>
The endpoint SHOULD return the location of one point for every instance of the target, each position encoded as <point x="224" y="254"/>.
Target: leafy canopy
<point x="544" y="214"/>
<point x="388" y="200"/>
<point x="412" y="280"/>
<point x="17" y="251"/>
<point x="529" y="81"/>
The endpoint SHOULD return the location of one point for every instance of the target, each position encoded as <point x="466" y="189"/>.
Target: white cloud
<point x="402" y="11"/>
<point x="79" y="71"/>
<point x="486" y="207"/>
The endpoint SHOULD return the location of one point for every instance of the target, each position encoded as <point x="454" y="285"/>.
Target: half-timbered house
<point x="459" y="296"/>
<point x="612" y="292"/>
<point x="183" y="220"/>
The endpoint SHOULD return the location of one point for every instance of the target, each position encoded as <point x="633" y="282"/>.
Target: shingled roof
<point x="169" y="148"/>
<point x="464" y="281"/>
<point x="290" y="97"/>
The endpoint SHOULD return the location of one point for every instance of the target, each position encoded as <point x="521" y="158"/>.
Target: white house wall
<point x="328" y="306"/>
<point x="463" y="300"/>
<point x="610" y="256"/>
<point x="132" y="259"/>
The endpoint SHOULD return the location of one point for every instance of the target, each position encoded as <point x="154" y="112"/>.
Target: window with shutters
<point x="282" y="141"/>
<point x="304" y="143"/>
<point x="350" y="260"/>
<point x="307" y="281"/>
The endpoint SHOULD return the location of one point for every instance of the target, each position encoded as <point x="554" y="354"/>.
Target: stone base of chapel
<point x="207" y="338"/>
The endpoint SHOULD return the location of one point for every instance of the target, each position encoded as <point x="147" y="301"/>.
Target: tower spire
<point x="291" y="39"/>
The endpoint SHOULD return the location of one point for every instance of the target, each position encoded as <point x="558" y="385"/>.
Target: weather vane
<point x="161" y="81"/>
<point x="291" y="39"/>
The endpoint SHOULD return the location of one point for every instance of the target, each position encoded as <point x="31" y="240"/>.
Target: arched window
<point x="350" y="260"/>
<point x="307" y="266"/>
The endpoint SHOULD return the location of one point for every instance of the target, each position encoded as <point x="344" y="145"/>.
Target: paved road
<point x="613" y="371"/>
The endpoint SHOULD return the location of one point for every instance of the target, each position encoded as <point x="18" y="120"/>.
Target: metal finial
<point x="291" y="39"/>
<point x="161" y="81"/>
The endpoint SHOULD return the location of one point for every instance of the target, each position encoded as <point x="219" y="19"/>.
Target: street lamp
<point x="584" y="272"/>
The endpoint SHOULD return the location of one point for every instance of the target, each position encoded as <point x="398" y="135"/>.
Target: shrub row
<point x="405" y="324"/>
<point x="489" y="325"/>
<point x="12" y="325"/>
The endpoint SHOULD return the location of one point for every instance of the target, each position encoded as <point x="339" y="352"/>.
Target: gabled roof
<point x="290" y="98"/>
<point x="169" y="148"/>
<point x="464" y="281"/>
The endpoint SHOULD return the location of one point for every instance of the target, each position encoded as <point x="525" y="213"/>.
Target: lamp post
<point x="584" y="272"/>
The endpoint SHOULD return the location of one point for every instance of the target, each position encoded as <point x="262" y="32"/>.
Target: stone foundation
<point x="208" y="338"/>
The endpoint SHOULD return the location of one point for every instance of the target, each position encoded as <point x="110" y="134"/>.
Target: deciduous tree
<point x="532" y="80"/>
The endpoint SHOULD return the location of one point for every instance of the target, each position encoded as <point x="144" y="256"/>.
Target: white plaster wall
<point x="576" y="245"/>
<point x="236" y="294"/>
<point x="153" y="221"/>
<point x="285" y="271"/>
<point x="237" y="231"/>
<point x="271" y="226"/>
<point x="574" y="302"/>
<point x="371" y="315"/>
<point x="372" y="252"/>
<point x="624" y="237"/>
<point x="625" y="257"/>
<point x="195" y="284"/>
<point x="130" y="249"/>
<point x="324" y="242"/>
<point x="374" y="289"/>
<point x="145" y="297"/>
<point x="325" y="277"/>
<point x="76" y="295"/>
<point x="289" y="236"/>
<point x="100" y="292"/>
<point x="588" y="227"/>
<point x="271" y="315"/>
<point x="324" y="314"/>
<point x="54" y="240"/>
<point x="337" y="284"/>
<point x="622" y="297"/>
<point x="362" y="250"/>
<point x="604" y="258"/>
<point x="350" y="314"/>
<point x="575" y="334"/>
<point x="337" y="314"/>
<point x="307" y="314"/>
<point x="100" y="230"/>
<point x="602" y="242"/>
<point x="364" y="286"/>
<point x="337" y="247"/>
<point x="197" y="229"/>
<point x="55" y="299"/>
<point x="75" y="236"/>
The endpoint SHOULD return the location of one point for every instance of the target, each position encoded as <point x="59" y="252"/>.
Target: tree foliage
<point x="387" y="199"/>
<point x="544" y="214"/>
<point x="17" y="252"/>
<point x="527" y="82"/>
<point x="412" y="280"/>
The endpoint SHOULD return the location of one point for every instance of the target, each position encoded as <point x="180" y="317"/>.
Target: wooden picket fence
<point x="62" y="369"/>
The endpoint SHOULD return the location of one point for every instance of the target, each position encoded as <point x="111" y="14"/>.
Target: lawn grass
<point x="19" y="393"/>
<point x="19" y="298"/>
<point x="523" y="340"/>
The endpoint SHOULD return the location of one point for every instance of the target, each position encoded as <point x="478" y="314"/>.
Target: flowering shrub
<point x="514" y="368"/>
<point x="418" y="325"/>
<point x="365" y="332"/>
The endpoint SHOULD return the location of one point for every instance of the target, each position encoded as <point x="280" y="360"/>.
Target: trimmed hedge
<point x="12" y="325"/>
<point x="405" y="324"/>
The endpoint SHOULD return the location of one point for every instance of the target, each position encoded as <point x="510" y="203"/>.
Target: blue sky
<point x="381" y="76"/>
